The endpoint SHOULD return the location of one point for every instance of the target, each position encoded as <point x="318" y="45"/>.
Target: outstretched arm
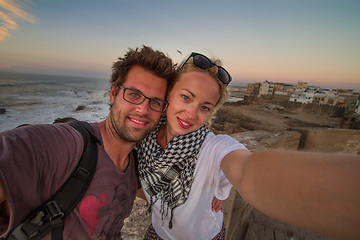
<point x="317" y="191"/>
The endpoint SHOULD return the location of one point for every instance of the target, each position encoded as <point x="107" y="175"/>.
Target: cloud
<point x="5" y="66"/>
<point x="10" y="12"/>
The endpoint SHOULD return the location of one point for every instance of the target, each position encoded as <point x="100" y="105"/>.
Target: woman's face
<point x="191" y="102"/>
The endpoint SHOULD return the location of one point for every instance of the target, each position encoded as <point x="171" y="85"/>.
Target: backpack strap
<point x="50" y="215"/>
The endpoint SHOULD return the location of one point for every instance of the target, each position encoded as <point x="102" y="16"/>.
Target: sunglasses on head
<point x="204" y="62"/>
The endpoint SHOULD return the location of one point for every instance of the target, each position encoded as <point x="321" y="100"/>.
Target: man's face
<point x="131" y="122"/>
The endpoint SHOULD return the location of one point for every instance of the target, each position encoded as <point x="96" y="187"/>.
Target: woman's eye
<point x="185" y="97"/>
<point x="205" y="108"/>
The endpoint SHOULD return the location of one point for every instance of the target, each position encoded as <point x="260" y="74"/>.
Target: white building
<point x="357" y="109"/>
<point x="304" y="95"/>
<point x="266" y="88"/>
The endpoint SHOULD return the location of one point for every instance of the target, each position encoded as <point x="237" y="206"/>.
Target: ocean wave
<point x="42" y="100"/>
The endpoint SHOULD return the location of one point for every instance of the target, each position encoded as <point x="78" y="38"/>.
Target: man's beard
<point x="125" y="133"/>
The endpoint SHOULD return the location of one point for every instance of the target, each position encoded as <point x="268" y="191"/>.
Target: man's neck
<point x="117" y="149"/>
<point x="164" y="136"/>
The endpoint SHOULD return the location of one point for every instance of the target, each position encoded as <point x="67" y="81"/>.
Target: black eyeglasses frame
<point x="166" y="104"/>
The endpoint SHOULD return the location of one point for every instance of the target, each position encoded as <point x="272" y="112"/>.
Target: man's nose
<point x="144" y="107"/>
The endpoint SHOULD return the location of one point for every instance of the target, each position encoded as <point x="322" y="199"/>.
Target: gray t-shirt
<point x="36" y="160"/>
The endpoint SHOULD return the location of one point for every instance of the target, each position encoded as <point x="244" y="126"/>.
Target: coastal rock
<point x="80" y="108"/>
<point x="63" y="120"/>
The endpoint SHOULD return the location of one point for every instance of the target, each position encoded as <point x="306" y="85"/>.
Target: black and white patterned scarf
<point x="168" y="175"/>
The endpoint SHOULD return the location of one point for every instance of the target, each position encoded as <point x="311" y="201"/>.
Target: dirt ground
<point x="240" y="118"/>
<point x="258" y="122"/>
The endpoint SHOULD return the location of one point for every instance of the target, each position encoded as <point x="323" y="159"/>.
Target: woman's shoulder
<point x="221" y="141"/>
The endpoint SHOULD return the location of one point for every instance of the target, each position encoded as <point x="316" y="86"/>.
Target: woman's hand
<point x="216" y="205"/>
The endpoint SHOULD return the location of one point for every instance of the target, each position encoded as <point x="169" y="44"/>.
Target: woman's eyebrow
<point x="192" y="94"/>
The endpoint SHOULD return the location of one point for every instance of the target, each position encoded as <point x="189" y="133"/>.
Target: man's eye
<point x="134" y="95"/>
<point x="155" y="102"/>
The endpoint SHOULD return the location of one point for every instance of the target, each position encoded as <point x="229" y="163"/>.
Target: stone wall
<point x="330" y="140"/>
<point x="246" y="223"/>
<point x="313" y="108"/>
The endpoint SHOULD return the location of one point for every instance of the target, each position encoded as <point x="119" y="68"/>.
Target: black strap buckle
<point x="82" y="173"/>
<point x="27" y="230"/>
<point x="18" y="233"/>
<point x="54" y="210"/>
<point x="56" y="220"/>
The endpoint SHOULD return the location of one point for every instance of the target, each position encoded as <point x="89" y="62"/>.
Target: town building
<point x="305" y="94"/>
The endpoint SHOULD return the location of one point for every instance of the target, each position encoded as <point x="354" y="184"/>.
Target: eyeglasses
<point x="204" y="62"/>
<point x="138" y="98"/>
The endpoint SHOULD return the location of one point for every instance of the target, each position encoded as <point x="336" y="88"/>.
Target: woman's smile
<point x="184" y="124"/>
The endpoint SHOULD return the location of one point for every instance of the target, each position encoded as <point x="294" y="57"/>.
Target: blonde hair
<point x="223" y="90"/>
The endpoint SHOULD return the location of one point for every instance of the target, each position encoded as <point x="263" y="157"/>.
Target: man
<point x="36" y="160"/>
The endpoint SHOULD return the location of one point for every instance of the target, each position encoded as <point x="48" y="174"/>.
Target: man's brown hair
<point x="151" y="60"/>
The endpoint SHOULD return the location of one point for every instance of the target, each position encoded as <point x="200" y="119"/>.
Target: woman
<point x="182" y="166"/>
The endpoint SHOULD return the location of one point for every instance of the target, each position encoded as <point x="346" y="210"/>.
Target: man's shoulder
<point x="96" y="128"/>
<point x="39" y="128"/>
<point x="43" y="137"/>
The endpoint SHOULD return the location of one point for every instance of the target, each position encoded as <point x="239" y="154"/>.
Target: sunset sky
<point x="314" y="41"/>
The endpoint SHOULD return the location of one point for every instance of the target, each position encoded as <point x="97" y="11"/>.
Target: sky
<point x="314" y="41"/>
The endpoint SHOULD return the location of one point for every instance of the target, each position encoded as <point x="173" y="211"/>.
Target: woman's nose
<point x="192" y="111"/>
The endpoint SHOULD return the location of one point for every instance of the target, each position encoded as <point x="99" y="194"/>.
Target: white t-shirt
<point x="194" y="219"/>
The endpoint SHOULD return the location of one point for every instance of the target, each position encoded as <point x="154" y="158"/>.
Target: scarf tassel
<point x="171" y="220"/>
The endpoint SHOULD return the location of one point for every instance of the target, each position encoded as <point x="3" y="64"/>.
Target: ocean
<point x="36" y="99"/>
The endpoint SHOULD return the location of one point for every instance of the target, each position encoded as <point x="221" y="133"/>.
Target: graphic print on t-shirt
<point x="89" y="209"/>
<point x="104" y="215"/>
